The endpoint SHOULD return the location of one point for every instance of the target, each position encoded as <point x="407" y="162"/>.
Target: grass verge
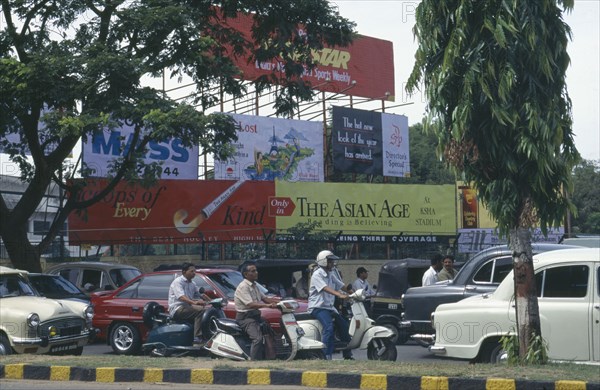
<point x="548" y="372"/>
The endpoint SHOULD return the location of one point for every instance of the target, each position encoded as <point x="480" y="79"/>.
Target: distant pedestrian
<point x="448" y="272"/>
<point x="431" y="275"/>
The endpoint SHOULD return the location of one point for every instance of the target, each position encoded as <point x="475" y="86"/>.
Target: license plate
<point x="392" y="306"/>
<point x="64" y="347"/>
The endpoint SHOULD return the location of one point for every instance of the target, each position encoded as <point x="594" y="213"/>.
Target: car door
<point x="565" y="303"/>
<point x="595" y="339"/>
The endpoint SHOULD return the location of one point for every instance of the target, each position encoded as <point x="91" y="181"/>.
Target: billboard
<point x="365" y="68"/>
<point x="191" y="211"/>
<point x="177" y="161"/>
<point x="370" y="142"/>
<point x="274" y="149"/>
<point x="183" y="211"/>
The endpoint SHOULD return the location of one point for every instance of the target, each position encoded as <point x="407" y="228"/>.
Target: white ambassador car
<point x="568" y="285"/>
<point x="30" y="323"/>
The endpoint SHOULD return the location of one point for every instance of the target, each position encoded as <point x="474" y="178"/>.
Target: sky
<point x="393" y="20"/>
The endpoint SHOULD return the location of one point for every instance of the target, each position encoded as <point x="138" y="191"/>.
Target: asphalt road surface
<point x="409" y="352"/>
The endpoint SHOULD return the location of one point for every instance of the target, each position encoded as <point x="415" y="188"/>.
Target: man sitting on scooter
<point x="248" y="299"/>
<point x="185" y="302"/>
<point x="325" y="285"/>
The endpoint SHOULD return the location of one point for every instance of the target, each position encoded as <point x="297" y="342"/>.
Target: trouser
<point x="252" y="324"/>
<point x="329" y="319"/>
<point x="191" y="314"/>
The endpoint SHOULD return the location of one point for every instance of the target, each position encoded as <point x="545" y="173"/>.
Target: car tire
<point x="5" y="348"/>
<point x="492" y="352"/>
<point x="125" y="339"/>
<point x="382" y="349"/>
<point x="77" y="351"/>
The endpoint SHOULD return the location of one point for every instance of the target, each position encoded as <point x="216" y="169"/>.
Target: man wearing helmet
<point x="325" y="285"/>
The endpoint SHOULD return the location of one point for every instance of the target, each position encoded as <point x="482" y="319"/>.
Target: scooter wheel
<point x="382" y="349"/>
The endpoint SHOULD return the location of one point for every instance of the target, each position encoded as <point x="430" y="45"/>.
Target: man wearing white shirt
<point x="430" y="276"/>
<point x="361" y="282"/>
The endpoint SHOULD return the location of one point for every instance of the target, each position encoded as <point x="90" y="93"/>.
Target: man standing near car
<point x="448" y="273"/>
<point x="248" y="300"/>
<point x="431" y="275"/>
<point x="185" y="303"/>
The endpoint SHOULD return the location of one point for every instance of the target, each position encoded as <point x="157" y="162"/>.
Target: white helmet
<point x="323" y="256"/>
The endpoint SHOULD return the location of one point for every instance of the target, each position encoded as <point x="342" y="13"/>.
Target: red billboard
<point x="183" y="211"/>
<point x="365" y="69"/>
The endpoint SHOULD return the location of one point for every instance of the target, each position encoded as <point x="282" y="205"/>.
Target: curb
<point x="279" y="377"/>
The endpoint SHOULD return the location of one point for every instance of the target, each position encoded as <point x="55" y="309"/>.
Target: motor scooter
<point x="231" y="342"/>
<point x="376" y="339"/>
<point x="170" y="338"/>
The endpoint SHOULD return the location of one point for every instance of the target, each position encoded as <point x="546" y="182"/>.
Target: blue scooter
<point x="170" y="338"/>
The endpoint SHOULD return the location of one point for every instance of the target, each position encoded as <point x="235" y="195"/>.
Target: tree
<point x="425" y="166"/>
<point x="586" y="181"/>
<point x="494" y="76"/>
<point x="71" y="69"/>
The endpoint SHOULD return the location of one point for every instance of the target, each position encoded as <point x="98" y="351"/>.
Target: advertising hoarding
<point x="370" y="142"/>
<point x="365" y="68"/>
<point x="177" y="161"/>
<point x="274" y="149"/>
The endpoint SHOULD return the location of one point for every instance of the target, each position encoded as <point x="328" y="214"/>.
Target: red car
<point x="118" y="313"/>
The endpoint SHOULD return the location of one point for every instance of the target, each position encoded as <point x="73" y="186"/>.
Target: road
<point x="409" y="352"/>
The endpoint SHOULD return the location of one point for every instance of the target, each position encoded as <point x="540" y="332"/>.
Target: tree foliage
<point x="586" y="181"/>
<point x="70" y="69"/>
<point x="494" y="76"/>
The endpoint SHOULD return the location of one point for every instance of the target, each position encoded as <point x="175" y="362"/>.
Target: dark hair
<point x="437" y="258"/>
<point x="448" y="257"/>
<point x="245" y="266"/>
<point x="360" y="270"/>
<point x="185" y="266"/>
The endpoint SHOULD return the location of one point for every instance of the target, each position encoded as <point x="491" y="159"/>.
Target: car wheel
<point x="492" y="352"/>
<point x="5" y="348"/>
<point x="382" y="349"/>
<point x="125" y="339"/>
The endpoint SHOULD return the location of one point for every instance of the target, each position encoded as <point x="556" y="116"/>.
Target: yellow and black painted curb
<point x="279" y="377"/>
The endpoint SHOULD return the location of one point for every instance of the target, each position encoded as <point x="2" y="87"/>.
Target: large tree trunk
<point x="22" y="253"/>
<point x="527" y="310"/>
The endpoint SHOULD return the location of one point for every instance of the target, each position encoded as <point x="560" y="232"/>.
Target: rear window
<point x="121" y="276"/>
<point x="226" y="281"/>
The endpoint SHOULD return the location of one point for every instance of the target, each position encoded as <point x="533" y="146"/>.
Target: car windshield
<point x="14" y="286"/>
<point x="120" y="276"/>
<point x="55" y="287"/>
<point x="226" y="281"/>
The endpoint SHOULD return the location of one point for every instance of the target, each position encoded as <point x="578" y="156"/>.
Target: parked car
<point x="119" y="313"/>
<point x="479" y="275"/>
<point x="92" y="276"/>
<point x="568" y="283"/>
<point x="30" y="323"/>
<point x="57" y="287"/>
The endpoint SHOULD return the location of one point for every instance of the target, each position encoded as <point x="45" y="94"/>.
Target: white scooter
<point x="231" y="342"/>
<point x="376" y="339"/>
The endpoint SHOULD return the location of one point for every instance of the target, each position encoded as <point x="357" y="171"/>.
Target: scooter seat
<point x="229" y="326"/>
<point x="303" y="316"/>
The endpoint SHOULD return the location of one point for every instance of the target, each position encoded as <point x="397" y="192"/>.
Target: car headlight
<point x="33" y="320"/>
<point x="88" y="312"/>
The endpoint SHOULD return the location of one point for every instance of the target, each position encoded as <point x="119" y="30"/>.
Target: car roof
<point x="8" y="270"/>
<point x="569" y="255"/>
<point x="90" y="264"/>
